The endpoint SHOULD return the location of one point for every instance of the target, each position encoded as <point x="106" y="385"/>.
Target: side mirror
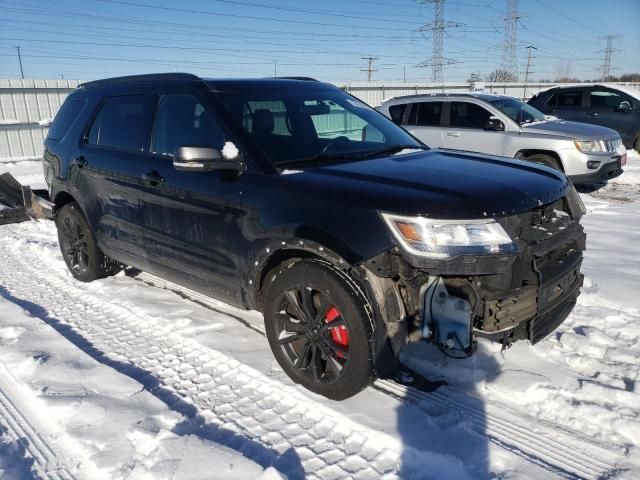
<point x="494" y="125"/>
<point x="624" y="107"/>
<point x="207" y="159"/>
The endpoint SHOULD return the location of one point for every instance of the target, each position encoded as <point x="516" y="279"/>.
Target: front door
<point x="192" y="220"/>
<point x="604" y="110"/>
<point x="466" y="130"/>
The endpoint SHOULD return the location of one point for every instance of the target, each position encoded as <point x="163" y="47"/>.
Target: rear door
<point x="603" y="109"/>
<point x="466" y="129"/>
<point x="424" y="121"/>
<point x="107" y="171"/>
<point x="569" y="105"/>
<point x="191" y="220"/>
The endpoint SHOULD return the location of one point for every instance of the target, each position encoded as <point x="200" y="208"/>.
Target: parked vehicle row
<point x="502" y="125"/>
<point x="294" y="198"/>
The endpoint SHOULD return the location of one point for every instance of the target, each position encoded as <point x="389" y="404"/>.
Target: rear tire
<point x="79" y="248"/>
<point x="301" y="304"/>
<point x="636" y="143"/>
<point x="545" y="160"/>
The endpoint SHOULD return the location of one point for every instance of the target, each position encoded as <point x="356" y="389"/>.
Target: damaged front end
<point x="519" y="291"/>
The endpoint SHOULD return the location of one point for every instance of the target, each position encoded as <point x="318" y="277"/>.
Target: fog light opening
<point x="593" y="164"/>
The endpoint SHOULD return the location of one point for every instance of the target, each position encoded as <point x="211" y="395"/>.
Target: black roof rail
<point x="306" y="79"/>
<point x="138" y="78"/>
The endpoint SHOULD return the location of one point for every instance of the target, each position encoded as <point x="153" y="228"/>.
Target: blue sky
<point x="88" y="39"/>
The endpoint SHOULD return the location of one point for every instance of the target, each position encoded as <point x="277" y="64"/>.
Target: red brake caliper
<point x="339" y="335"/>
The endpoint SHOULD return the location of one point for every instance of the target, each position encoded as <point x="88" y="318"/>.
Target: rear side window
<point x="123" y="122"/>
<point x="396" y="112"/>
<point x="468" y="115"/>
<point x="568" y="99"/>
<point x="429" y="114"/>
<point x="182" y="121"/>
<point x="65" y="117"/>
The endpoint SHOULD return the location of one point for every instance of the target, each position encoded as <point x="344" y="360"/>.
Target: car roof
<point x="435" y="96"/>
<point x="623" y="88"/>
<point x="217" y="84"/>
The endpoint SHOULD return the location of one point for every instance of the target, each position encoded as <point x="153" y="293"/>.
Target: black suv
<point x="291" y="197"/>
<point x="606" y="105"/>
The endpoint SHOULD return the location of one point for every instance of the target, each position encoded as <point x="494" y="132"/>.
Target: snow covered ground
<point x="129" y="378"/>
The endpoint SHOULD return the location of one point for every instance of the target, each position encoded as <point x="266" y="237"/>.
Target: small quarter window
<point x="123" y="122"/>
<point x="65" y="117"/>
<point x="396" y="112"/>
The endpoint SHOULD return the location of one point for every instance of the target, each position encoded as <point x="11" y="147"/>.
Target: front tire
<point x="545" y="160"/>
<point x="319" y="330"/>
<point x="79" y="248"/>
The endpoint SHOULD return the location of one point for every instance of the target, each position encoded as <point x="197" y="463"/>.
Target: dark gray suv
<point x="611" y="106"/>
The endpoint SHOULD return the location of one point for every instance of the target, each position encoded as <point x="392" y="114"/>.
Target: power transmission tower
<point x="606" y="61"/>
<point x="20" y="62"/>
<point x="509" y="52"/>
<point x="369" y="68"/>
<point x="437" y="28"/>
<point x="529" y="70"/>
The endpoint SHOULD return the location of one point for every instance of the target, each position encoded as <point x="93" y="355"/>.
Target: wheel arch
<point x="61" y="199"/>
<point x="523" y="154"/>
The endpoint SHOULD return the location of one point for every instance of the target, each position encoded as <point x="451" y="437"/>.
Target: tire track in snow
<point x="225" y="392"/>
<point x="549" y="445"/>
<point x="46" y="460"/>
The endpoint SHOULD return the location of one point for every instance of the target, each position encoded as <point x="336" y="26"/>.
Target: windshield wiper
<point x="329" y="157"/>
<point x="395" y="149"/>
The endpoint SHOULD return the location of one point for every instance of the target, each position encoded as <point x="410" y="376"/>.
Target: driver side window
<point x="182" y="121"/>
<point x="468" y="115"/>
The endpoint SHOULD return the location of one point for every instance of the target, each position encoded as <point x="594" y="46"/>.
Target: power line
<point x="438" y="28"/>
<point x="369" y="68"/>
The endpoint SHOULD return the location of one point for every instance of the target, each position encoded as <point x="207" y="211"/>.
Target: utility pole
<point x="437" y="29"/>
<point x="606" y="61"/>
<point x="20" y="62"/>
<point x="275" y="68"/>
<point x="404" y="74"/>
<point x="509" y="52"/>
<point x="528" y="71"/>
<point x="369" y="68"/>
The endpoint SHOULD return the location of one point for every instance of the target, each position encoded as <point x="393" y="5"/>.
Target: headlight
<point x="447" y="238"/>
<point x="590" y="146"/>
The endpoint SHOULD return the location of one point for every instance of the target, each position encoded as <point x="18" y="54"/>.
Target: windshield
<point x="308" y="126"/>
<point x="518" y="111"/>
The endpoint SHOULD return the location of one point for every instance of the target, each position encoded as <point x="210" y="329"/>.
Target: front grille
<point x="613" y="145"/>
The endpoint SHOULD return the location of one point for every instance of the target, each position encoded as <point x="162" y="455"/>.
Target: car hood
<point x="434" y="183"/>
<point x="574" y="130"/>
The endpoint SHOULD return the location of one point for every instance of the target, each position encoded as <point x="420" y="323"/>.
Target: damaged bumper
<point x="18" y="203"/>
<point x="509" y="297"/>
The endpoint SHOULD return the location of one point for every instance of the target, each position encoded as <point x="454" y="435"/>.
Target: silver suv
<point x="502" y="125"/>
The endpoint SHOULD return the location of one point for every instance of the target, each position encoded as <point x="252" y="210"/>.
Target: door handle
<point x="453" y="134"/>
<point x="592" y="114"/>
<point x="153" y="177"/>
<point x="79" y="162"/>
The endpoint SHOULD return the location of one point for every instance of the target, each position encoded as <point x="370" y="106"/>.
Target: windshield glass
<point x="307" y="126"/>
<point x="518" y="111"/>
